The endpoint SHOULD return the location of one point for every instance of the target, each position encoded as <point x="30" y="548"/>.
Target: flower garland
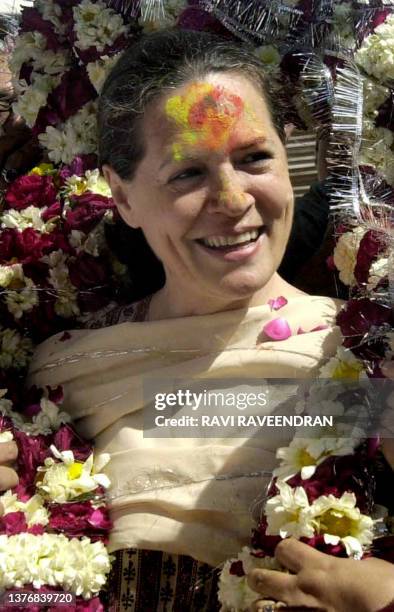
<point x="55" y="523"/>
<point x="56" y="269"/>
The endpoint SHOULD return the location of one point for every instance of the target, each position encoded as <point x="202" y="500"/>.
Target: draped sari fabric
<point x="187" y="496"/>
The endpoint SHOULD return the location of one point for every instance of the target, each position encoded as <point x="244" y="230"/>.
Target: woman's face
<point x="212" y="194"/>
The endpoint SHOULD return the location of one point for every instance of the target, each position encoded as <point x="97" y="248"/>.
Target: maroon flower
<point x="33" y="451"/>
<point x="55" y="394"/>
<point x="371" y="246"/>
<point x="7" y="244"/>
<point x="88" y="271"/>
<point x="87" y="210"/>
<point x="67" y="439"/>
<point x="30" y="245"/>
<point x="237" y="569"/>
<point x="32" y="20"/>
<point x="72" y="93"/>
<point x="358" y="316"/>
<point x="78" y="519"/>
<point x="195" y="18"/>
<point x="13" y="523"/>
<point x="78" y="166"/>
<point x="385" y="116"/>
<point x="31" y="190"/>
<point x="52" y="211"/>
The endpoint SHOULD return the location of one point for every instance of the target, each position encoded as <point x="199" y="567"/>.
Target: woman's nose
<point x="229" y="196"/>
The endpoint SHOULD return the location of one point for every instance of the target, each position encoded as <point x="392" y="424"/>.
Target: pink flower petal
<point x="277" y="303"/>
<point x="277" y="329"/>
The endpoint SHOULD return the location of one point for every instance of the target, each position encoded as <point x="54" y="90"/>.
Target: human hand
<point x="8" y="476"/>
<point x="323" y="582"/>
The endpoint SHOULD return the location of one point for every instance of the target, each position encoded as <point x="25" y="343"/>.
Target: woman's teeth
<point x="224" y="241"/>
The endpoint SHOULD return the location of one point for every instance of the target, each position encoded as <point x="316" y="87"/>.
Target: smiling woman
<point x="193" y="151"/>
<point x="212" y="196"/>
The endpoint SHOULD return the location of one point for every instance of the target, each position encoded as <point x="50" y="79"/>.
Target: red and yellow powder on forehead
<point x="206" y="115"/>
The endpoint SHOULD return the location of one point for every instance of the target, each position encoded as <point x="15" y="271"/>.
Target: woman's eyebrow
<point x="252" y="143"/>
<point x="190" y="158"/>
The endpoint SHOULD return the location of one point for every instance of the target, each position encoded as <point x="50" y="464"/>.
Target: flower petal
<point x="277" y="329"/>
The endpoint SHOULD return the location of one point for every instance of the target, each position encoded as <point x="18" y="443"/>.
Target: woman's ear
<point x="120" y="193"/>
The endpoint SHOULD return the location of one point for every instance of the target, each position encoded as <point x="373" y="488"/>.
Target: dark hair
<point x="152" y="66"/>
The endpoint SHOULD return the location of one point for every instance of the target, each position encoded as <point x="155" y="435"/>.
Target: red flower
<point x="87" y="210"/>
<point x="30" y="245"/>
<point x="78" y="519"/>
<point x="371" y="246"/>
<point x="88" y="271"/>
<point x="67" y="439"/>
<point x="31" y="190"/>
<point x="13" y="523"/>
<point x="33" y="451"/>
<point x="7" y="244"/>
<point x="237" y="569"/>
<point x="363" y="323"/>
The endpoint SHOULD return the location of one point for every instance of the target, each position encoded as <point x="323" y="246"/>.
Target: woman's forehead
<point x="209" y="115"/>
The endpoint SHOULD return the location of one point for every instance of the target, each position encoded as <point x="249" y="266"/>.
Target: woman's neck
<point x="170" y="304"/>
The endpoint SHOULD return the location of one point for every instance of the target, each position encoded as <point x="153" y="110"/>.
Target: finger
<point x="295" y="556"/>
<point x="8" y="478"/>
<point x="8" y="452"/>
<point x="272" y="584"/>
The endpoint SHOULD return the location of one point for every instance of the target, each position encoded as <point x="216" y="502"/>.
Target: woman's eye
<point x="258" y="156"/>
<point x="186" y="174"/>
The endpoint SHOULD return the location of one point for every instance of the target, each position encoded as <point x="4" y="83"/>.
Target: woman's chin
<point x="242" y="285"/>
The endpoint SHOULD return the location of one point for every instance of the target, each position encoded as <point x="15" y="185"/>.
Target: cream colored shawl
<point x="194" y="495"/>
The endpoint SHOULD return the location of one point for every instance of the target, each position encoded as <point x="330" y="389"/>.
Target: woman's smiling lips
<point x="233" y="252"/>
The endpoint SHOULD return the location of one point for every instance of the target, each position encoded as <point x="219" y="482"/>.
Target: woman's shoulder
<point x="114" y="314"/>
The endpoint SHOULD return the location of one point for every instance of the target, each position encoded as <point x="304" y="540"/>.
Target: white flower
<point x="6" y="436"/>
<point x="76" y="137"/>
<point x="376" y="149"/>
<point x="48" y="420"/>
<point x="32" y="98"/>
<point x="69" y="479"/>
<point x="23" y="300"/>
<point x="376" y="54"/>
<point x="27" y="46"/>
<point x="305" y="454"/>
<point x="34" y="510"/>
<point x="286" y="514"/>
<point x="66" y="304"/>
<point x="15" y="351"/>
<point x="374" y="96"/>
<point x="342" y="522"/>
<point x="52" y="12"/>
<point x="54" y="63"/>
<point x="345" y="254"/>
<point x="22" y="219"/>
<point x="11" y="276"/>
<point x="344" y="366"/>
<point x="336" y="518"/>
<point x="99" y="70"/>
<point x="234" y="592"/>
<point x="92" y="181"/>
<point x="96" y="25"/>
<point x="377" y="272"/>
<point x="77" y="566"/>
